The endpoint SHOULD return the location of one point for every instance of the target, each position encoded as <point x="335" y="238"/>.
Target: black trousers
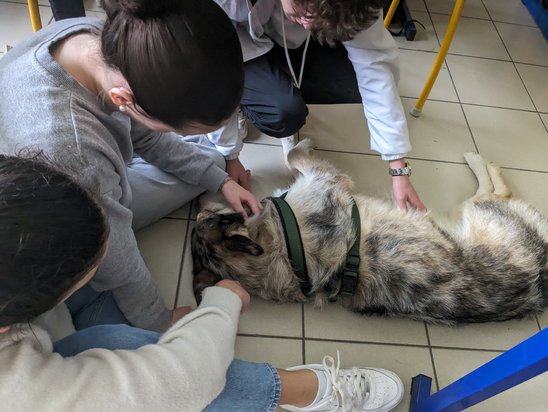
<point x="66" y="9"/>
<point x="276" y="106"/>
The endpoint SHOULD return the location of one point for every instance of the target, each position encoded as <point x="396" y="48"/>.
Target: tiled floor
<point x="491" y="97"/>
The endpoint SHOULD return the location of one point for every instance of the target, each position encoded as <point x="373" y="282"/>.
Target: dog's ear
<point x="202" y="280"/>
<point x="239" y="243"/>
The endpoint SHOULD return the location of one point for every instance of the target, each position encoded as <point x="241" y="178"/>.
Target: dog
<point x="485" y="261"/>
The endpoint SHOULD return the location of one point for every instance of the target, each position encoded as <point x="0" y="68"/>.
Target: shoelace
<point x="352" y="382"/>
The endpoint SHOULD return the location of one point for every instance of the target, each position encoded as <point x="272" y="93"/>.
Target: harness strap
<point x="350" y="271"/>
<point x="293" y="241"/>
<point x="295" y="250"/>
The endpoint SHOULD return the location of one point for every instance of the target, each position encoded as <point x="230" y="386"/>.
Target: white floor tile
<point x="414" y="68"/>
<point x="510" y="138"/>
<point x="525" y="185"/>
<point x="268" y="169"/>
<point x="182" y="213"/>
<point x="161" y="245"/>
<point x="509" y="11"/>
<point x="268" y="318"/>
<point x="40" y="2"/>
<point x="416" y="5"/>
<point x="337" y="323"/>
<point x="473" y="37"/>
<point x="281" y="353"/>
<point x="493" y="336"/>
<point x="525" y="44"/>
<point x="488" y="82"/>
<point x="441" y="186"/>
<point x="543" y="319"/>
<point x="338" y="127"/>
<point x="255" y="136"/>
<point x="544" y="117"/>
<point x="534" y="78"/>
<point x="405" y="361"/>
<point x="530" y="396"/>
<point x="472" y="8"/>
<point x="15" y="22"/>
<point x="440" y="133"/>
<point x="425" y="38"/>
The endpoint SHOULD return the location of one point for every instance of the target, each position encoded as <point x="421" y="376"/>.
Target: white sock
<point x="324" y="386"/>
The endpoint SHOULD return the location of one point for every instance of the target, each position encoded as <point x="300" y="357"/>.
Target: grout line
<point x="456" y="92"/>
<point x="538" y="323"/>
<point x="470" y="56"/>
<point x="500" y="107"/>
<point x="427" y="160"/>
<point x="520" y="77"/>
<point x="515" y="67"/>
<point x="176" y="218"/>
<point x="181" y="265"/>
<point x="432" y="356"/>
<point x="356" y="342"/>
<point x="455" y="89"/>
<point x="303" y="335"/>
<point x="489" y="18"/>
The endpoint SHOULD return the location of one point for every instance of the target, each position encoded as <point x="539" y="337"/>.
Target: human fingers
<point x="236" y="288"/>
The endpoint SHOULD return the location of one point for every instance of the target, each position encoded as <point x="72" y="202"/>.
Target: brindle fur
<point x="485" y="261"/>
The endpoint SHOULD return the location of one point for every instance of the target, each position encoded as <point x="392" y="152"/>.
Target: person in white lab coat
<point x="269" y="30"/>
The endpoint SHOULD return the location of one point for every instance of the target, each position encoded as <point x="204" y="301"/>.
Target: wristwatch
<point x="402" y="171"/>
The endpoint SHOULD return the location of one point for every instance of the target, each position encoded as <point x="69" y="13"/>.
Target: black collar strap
<point x="350" y="272"/>
<point x="293" y="241"/>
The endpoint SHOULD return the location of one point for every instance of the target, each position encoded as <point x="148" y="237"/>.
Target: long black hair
<point x="52" y="233"/>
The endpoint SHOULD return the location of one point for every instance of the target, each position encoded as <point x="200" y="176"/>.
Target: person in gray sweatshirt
<point x="111" y="102"/>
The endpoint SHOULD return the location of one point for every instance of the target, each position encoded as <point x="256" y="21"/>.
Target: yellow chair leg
<point x="444" y="48"/>
<point x="34" y="15"/>
<point x="390" y="12"/>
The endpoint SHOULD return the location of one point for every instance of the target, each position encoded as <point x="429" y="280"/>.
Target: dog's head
<point x="220" y="240"/>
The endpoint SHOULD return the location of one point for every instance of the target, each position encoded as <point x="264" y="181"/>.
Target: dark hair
<point x="340" y="20"/>
<point x="181" y="58"/>
<point x="52" y="233"/>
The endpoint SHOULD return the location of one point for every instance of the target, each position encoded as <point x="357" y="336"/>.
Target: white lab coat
<point x="374" y="56"/>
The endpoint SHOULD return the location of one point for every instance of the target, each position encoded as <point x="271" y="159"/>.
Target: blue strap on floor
<point x="518" y="364"/>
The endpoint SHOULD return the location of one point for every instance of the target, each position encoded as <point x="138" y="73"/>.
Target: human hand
<point x="405" y="193"/>
<point x="236" y="171"/>
<point x="236" y="195"/>
<point x="178" y="313"/>
<point x="237" y="288"/>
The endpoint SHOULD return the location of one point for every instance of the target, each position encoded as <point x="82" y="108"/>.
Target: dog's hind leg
<point x="299" y="155"/>
<point x="479" y="167"/>
<point x="500" y="188"/>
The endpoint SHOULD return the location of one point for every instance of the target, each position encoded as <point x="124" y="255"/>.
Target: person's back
<point x="43" y="108"/>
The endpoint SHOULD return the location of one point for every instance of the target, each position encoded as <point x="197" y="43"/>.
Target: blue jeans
<point x="249" y="386"/>
<point x="89" y="308"/>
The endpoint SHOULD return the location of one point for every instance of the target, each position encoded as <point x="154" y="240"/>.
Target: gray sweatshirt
<point x="43" y="108"/>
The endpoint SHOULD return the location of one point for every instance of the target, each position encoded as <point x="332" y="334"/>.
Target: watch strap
<point x="401" y="171"/>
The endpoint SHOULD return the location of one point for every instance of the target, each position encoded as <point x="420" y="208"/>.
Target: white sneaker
<point x="355" y="389"/>
<point x="242" y="125"/>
